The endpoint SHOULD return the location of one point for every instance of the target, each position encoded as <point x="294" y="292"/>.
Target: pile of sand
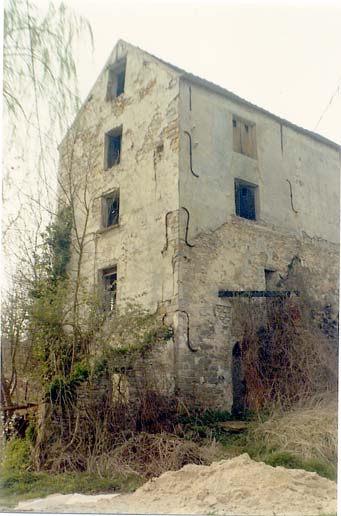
<point x="236" y="486"/>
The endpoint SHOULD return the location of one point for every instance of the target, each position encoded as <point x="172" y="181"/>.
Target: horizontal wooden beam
<point x="258" y="293"/>
<point x="10" y="408"/>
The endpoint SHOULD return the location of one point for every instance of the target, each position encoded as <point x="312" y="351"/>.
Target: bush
<point x="286" y="357"/>
<point x="150" y="455"/>
<point x="16" y="456"/>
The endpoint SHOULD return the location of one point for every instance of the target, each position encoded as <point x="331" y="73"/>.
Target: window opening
<point x="109" y="278"/>
<point x="111" y="209"/>
<point x="120" y="83"/>
<point x="244" y="138"/>
<point x="272" y="279"/>
<point x="113" y="143"/>
<point x="245" y="200"/>
<point x="116" y="80"/>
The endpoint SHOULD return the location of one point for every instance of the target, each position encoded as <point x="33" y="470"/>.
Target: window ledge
<point x="243" y="221"/>
<point x="109" y="228"/>
<point x="117" y="165"/>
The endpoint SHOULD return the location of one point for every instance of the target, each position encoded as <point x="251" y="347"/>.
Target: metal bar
<point x="292" y="202"/>
<point x="190" y="154"/>
<point x="257" y="293"/>
<point x="187" y="224"/>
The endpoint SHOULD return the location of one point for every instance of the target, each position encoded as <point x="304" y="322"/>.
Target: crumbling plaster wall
<point x="232" y="253"/>
<point x="147" y="179"/>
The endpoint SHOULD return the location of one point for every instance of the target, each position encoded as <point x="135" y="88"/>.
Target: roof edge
<point x="232" y="96"/>
<point x="194" y="79"/>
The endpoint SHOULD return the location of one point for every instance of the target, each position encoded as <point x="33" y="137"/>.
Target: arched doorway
<point x="238" y="382"/>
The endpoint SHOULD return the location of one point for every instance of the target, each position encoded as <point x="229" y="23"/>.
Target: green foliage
<point x="16" y="456"/>
<point x="58" y="239"/>
<point x="128" y="336"/>
<point x="51" y="346"/>
<point x="273" y="456"/>
<point x="51" y="264"/>
<point x="209" y="417"/>
<point x="38" y="58"/>
<point x="31" y="432"/>
<point x="26" y="484"/>
<point x="285" y="459"/>
<point x="63" y="390"/>
<point x="292" y="461"/>
<point x="205" y="424"/>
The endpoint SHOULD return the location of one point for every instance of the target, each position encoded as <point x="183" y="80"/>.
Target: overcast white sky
<point x="283" y="56"/>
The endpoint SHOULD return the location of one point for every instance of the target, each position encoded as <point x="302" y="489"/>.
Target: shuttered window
<point x="244" y="138"/>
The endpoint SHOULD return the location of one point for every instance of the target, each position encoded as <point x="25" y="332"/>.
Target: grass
<point x="302" y="438"/>
<point x="18" y="486"/>
<point x="274" y="456"/>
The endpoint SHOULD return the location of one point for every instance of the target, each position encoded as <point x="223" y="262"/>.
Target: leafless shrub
<point x="285" y="357"/>
<point x="150" y="455"/>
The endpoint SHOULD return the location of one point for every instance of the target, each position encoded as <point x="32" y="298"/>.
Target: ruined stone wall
<point x="147" y="179"/>
<point x="234" y="257"/>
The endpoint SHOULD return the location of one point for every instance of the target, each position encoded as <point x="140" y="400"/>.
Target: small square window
<point x="244" y="138"/>
<point x="113" y="142"/>
<point x="245" y="200"/>
<point x="271" y="279"/>
<point x="110" y="209"/>
<point x="116" y="80"/>
<point x="109" y="282"/>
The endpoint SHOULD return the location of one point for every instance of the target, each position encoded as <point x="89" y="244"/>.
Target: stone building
<point x="195" y="195"/>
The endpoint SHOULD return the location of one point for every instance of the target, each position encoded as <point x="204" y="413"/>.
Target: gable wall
<point x="146" y="177"/>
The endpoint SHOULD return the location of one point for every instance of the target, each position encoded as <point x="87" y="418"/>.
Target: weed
<point x="16" y="456"/>
<point x="24" y="485"/>
<point x="292" y="461"/>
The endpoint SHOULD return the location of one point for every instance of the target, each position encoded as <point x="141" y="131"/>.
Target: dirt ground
<point x="239" y="486"/>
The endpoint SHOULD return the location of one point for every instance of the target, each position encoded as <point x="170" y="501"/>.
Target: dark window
<point x="244" y="138"/>
<point x="113" y="142"/>
<point x="120" y="82"/>
<point x="109" y="278"/>
<point x="245" y="198"/>
<point x="116" y="80"/>
<point x="111" y="209"/>
<point x="271" y="278"/>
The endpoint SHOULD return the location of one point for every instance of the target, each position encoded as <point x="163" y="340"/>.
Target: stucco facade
<point x="178" y="239"/>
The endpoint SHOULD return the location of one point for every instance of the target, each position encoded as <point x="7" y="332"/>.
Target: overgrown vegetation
<point x="104" y="410"/>
<point x="287" y="351"/>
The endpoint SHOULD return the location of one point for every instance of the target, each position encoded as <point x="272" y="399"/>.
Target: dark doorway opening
<point x="238" y="382"/>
